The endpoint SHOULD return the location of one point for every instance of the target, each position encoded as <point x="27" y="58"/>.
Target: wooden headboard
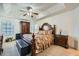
<point x="50" y="28"/>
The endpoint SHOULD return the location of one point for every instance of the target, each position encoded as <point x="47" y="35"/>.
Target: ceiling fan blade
<point x="25" y="14"/>
<point x="35" y="13"/>
<point x="22" y="10"/>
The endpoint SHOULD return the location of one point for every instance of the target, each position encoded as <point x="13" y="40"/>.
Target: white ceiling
<point x="44" y="9"/>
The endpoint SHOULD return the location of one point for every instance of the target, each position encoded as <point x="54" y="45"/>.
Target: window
<point x="7" y="28"/>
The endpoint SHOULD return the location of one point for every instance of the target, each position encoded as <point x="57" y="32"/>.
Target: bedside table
<point x="61" y="40"/>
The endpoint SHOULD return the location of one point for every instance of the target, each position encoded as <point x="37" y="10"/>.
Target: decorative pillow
<point x="46" y="32"/>
<point x="41" y="32"/>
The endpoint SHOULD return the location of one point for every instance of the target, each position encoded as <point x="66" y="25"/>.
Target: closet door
<point x="25" y="27"/>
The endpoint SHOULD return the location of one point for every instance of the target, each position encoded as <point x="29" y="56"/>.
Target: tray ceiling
<point x="44" y="9"/>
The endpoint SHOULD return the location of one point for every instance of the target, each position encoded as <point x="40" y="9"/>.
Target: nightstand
<point x="61" y="40"/>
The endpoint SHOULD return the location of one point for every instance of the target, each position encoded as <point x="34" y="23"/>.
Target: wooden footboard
<point x="33" y="46"/>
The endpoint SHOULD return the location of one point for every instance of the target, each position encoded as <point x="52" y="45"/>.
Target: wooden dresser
<point x="61" y="40"/>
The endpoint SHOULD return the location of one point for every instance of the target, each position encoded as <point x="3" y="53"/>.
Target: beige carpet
<point x="10" y="49"/>
<point x="59" y="51"/>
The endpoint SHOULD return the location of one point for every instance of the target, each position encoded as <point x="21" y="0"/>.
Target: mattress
<point x="27" y="38"/>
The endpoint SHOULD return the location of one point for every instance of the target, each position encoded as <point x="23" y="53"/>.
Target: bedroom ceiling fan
<point x="28" y="11"/>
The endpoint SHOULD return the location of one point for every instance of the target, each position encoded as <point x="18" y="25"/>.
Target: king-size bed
<point x="41" y="40"/>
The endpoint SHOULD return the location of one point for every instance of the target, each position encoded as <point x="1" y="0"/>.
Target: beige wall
<point x="62" y="21"/>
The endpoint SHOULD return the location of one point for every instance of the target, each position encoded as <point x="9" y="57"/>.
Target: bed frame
<point x="41" y="28"/>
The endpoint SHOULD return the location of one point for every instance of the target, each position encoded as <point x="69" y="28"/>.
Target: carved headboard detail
<point x="47" y="26"/>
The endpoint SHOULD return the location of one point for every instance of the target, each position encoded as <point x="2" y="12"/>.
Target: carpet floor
<point x="10" y="49"/>
<point x="55" y="50"/>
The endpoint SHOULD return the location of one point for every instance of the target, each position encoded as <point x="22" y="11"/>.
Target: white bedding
<point x="27" y="38"/>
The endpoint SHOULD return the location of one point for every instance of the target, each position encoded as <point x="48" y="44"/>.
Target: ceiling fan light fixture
<point x="29" y="8"/>
<point x="29" y="13"/>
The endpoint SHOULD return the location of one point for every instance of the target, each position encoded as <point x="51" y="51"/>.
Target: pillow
<point x="50" y="32"/>
<point x="41" y="32"/>
<point x="27" y="36"/>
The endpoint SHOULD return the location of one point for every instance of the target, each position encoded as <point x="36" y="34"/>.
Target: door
<point x="25" y="27"/>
